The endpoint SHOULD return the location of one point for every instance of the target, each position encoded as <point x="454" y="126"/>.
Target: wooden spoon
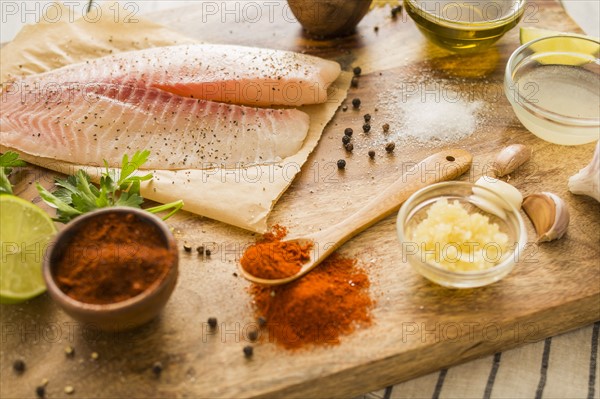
<point x="443" y="166"/>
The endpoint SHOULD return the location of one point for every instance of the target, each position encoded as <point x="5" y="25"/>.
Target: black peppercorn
<point x="371" y="154"/>
<point x="262" y="321"/>
<point x="356" y="103"/>
<point x="341" y="164"/>
<point x="386" y="127"/>
<point x="253" y="335"/>
<point x="19" y="366"/>
<point x="390" y="147"/>
<point x="208" y="252"/>
<point x="212" y="322"/>
<point x="357" y="71"/>
<point x="157" y="368"/>
<point x="367" y="118"/>
<point x="354" y="82"/>
<point x="187" y="248"/>
<point x="40" y="391"/>
<point x="349" y="147"/>
<point x="366" y="128"/>
<point x="376" y="29"/>
<point x="346" y="139"/>
<point x="248" y="351"/>
<point x="348" y="132"/>
<point x="345" y="108"/>
<point x="396" y="10"/>
<point x="200" y="250"/>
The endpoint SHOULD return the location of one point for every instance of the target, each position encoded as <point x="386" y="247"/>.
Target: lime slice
<point x="25" y="231"/>
<point x="563" y="50"/>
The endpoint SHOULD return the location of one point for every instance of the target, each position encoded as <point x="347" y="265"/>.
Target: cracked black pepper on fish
<point x="183" y="103"/>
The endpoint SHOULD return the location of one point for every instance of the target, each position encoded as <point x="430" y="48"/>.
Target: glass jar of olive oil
<point x="465" y="26"/>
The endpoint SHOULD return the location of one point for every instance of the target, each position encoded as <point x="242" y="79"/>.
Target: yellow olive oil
<point x="465" y="26"/>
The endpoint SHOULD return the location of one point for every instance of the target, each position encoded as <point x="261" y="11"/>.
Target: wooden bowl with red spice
<point x="114" y="268"/>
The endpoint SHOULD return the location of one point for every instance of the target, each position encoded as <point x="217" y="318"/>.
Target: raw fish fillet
<point x="223" y="73"/>
<point x="87" y="123"/>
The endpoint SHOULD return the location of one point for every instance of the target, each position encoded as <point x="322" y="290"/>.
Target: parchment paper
<point x="241" y="197"/>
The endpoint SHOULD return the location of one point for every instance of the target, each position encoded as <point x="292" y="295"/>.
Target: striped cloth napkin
<point x="565" y="366"/>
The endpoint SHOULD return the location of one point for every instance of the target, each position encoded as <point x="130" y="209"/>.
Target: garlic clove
<point x="549" y="214"/>
<point x="507" y="191"/>
<point x="541" y="209"/>
<point x="587" y="181"/>
<point x="510" y="158"/>
<point x="486" y="205"/>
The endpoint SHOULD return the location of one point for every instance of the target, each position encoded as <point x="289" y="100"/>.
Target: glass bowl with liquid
<point x="465" y="26"/>
<point x="553" y="85"/>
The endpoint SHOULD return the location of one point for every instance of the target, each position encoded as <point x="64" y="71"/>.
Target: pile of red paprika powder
<point x="330" y="301"/>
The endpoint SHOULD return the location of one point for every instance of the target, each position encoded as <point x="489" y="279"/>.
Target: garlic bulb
<point x="549" y="215"/>
<point x="510" y="158"/>
<point x="587" y="181"/>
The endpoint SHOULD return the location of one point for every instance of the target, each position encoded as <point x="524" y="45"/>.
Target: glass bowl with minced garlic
<point x="460" y="235"/>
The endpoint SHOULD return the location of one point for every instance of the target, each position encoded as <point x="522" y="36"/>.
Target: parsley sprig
<point x="77" y="195"/>
<point x="8" y="160"/>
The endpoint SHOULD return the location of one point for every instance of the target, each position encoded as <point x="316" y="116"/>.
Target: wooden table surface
<point x="419" y="327"/>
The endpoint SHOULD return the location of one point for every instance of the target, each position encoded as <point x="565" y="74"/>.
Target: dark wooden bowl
<point x="325" y="19"/>
<point x="126" y="314"/>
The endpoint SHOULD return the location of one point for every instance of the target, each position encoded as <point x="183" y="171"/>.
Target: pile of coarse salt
<point x="446" y="118"/>
<point x="441" y="119"/>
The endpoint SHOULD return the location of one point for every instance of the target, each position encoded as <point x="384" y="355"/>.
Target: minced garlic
<point x="454" y="239"/>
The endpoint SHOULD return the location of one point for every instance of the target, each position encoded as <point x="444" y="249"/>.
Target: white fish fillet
<point x="86" y="124"/>
<point x="223" y="73"/>
<point x="172" y="101"/>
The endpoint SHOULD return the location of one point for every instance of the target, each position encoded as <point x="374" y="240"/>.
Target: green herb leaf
<point x="129" y="167"/>
<point x="5" y="186"/>
<point x="8" y="160"/>
<point x="127" y="199"/>
<point x="86" y="191"/>
<point x="77" y="195"/>
<point x="64" y="211"/>
<point x="175" y="206"/>
<point x="69" y="184"/>
<point x="63" y="194"/>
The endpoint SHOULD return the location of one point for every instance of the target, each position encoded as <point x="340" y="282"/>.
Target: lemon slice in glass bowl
<point x="562" y="48"/>
<point x="25" y="232"/>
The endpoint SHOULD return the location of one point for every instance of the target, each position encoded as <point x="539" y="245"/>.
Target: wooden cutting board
<point x="419" y="327"/>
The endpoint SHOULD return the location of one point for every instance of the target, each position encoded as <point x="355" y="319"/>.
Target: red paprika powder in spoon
<point x="271" y="258"/>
